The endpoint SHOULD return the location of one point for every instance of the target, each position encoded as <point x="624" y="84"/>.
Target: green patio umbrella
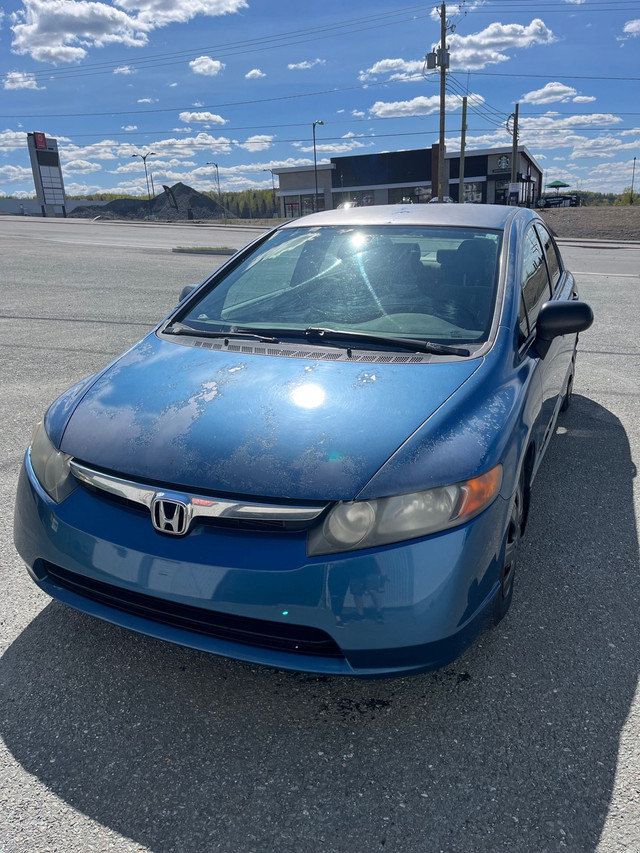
<point x="557" y="185"/>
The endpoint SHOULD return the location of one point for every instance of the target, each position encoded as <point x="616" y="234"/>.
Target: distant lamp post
<point x="211" y="163"/>
<point x="273" y="189"/>
<point x="315" y="163"/>
<point x="633" y="180"/>
<point x="143" y="157"/>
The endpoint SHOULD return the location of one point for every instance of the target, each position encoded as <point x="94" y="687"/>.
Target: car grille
<point x="296" y="639"/>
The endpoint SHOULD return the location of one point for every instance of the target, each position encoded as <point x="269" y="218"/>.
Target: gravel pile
<point x="594" y="223"/>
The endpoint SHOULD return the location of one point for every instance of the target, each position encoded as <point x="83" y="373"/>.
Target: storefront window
<point x="473" y="191"/>
<point x="409" y="195"/>
<point x="291" y="206"/>
<point x="308" y="206"/>
<point x="502" y="192"/>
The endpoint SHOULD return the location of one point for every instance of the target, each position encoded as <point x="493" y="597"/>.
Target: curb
<point x="198" y="251"/>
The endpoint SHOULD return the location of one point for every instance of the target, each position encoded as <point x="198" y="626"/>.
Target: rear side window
<point x="551" y="254"/>
<point x="535" y="281"/>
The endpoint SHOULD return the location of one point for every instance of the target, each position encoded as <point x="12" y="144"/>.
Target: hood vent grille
<point x="369" y="357"/>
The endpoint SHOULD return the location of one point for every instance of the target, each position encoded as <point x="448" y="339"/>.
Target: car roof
<point x="495" y="216"/>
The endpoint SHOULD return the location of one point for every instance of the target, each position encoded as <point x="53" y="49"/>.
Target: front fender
<point x="488" y="421"/>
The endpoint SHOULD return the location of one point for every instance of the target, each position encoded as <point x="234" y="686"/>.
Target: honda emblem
<point x="170" y="516"/>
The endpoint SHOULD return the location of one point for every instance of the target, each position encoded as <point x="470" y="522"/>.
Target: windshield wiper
<point x="182" y="329"/>
<point x="369" y="338"/>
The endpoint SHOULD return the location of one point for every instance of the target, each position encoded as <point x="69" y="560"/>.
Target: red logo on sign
<point x="41" y="140"/>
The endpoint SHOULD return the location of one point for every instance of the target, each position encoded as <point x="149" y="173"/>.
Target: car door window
<point x="535" y="280"/>
<point x="523" y="325"/>
<point x="551" y="254"/>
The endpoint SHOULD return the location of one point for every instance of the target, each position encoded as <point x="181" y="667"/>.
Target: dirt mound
<point x="594" y="223"/>
<point x="180" y="203"/>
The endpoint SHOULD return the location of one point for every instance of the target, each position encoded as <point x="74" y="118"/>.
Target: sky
<point x="240" y="83"/>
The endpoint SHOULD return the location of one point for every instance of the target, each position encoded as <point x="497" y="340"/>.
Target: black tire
<point x="515" y="527"/>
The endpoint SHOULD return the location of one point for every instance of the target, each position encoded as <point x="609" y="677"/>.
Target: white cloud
<point x="549" y="94"/>
<point x="21" y="80"/>
<point x="303" y="66"/>
<point x="632" y="28"/>
<point x="81" y="167"/>
<point x="554" y="92"/>
<point x="123" y="69"/>
<point x="601" y="146"/>
<point x="474" y="51"/>
<point x="17" y="174"/>
<point x="160" y="13"/>
<point x="259" y="142"/>
<point x="64" y="30"/>
<point x="158" y="165"/>
<point x="487" y="47"/>
<point x="128" y="127"/>
<point x="395" y="69"/>
<point x="61" y="30"/>
<point x="192" y="146"/>
<point x="421" y="106"/>
<point x="207" y="66"/>
<point x="147" y="100"/>
<point x="172" y="85"/>
<point x="333" y="147"/>
<point x="13" y="140"/>
<point x="209" y="118"/>
<point x="254" y="74"/>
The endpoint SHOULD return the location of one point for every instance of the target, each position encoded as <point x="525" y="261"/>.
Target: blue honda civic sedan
<point x="322" y="459"/>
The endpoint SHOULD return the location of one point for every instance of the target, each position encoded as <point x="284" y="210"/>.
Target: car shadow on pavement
<point x="515" y="746"/>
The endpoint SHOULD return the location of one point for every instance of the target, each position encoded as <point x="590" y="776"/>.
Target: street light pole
<point x="211" y="163"/>
<point x="273" y="189"/>
<point x="315" y="163"/>
<point x="143" y="157"/>
<point x="633" y="179"/>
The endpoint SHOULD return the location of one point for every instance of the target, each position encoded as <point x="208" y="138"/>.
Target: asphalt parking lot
<point x="528" y="743"/>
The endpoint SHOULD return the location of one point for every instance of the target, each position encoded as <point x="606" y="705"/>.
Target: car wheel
<point x="504" y="595"/>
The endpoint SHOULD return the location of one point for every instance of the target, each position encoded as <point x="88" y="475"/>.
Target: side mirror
<point x="187" y="290"/>
<point x="560" y="318"/>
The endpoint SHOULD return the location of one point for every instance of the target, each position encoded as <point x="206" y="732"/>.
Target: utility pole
<point x="440" y="59"/>
<point x="463" y="142"/>
<point x="513" y="130"/>
<point x="444" y="64"/>
<point x="315" y="166"/>
<point x="633" y="179"/>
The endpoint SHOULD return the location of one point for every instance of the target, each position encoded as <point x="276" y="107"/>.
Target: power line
<point x="235" y="48"/>
<point x="191" y="108"/>
<point x="340" y="28"/>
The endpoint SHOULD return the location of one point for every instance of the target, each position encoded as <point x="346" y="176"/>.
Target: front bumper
<point x="255" y="595"/>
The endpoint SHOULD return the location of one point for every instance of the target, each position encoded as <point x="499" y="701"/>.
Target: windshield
<point x="428" y="283"/>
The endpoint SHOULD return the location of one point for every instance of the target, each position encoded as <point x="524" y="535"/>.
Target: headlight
<point x="50" y="466"/>
<point x="353" y="525"/>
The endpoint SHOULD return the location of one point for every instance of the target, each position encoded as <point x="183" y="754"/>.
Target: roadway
<point x="528" y="743"/>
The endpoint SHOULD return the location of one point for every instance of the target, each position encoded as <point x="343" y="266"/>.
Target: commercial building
<point x="408" y="176"/>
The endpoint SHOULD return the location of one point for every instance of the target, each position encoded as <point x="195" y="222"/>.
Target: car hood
<point x="254" y="425"/>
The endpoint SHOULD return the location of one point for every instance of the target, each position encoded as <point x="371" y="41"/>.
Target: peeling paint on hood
<point x="254" y="425"/>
